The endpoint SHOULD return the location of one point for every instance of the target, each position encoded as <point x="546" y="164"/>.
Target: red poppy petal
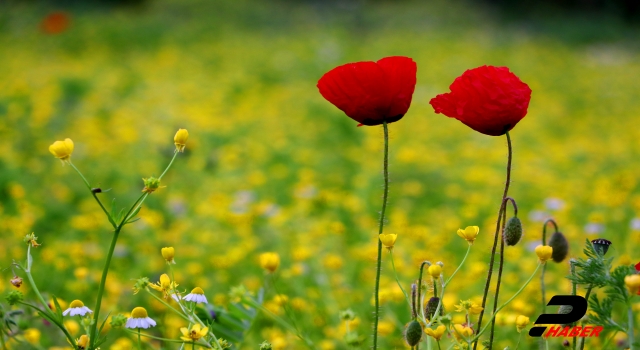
<point x="401" y="79"/>
<point x="358" y="89"/>
<point x="638" y="267"/>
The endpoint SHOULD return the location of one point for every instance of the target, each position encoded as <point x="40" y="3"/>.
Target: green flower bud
<point x="413" y="333"/>
<point x="14" y="297"/>
<point x="560" y="247"/>
<point x="353" y="339"/>
<point x="118" y="321"/>
<point x="513" y="231"/>
<point x="151" y="184"/>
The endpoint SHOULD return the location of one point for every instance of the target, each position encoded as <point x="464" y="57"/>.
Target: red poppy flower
<point x="638" y="271"/>
<point x="371" y="92"/>
<point x="55" y="22"/>
<point x="488" y="99"/>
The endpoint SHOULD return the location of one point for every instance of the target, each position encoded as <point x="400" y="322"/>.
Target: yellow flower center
<point x="197" y="290"/>
<point x="139" y="312"/>
<point x="76" y="303"/>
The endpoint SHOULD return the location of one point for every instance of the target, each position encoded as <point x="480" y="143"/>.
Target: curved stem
<point x="544" y="268"/>
<point x="385" y="167"/>
<point x="500" y="267"/>
<point x="420" y="288"/>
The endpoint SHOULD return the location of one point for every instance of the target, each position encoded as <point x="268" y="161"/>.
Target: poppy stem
<point x="495" y="237"/>
<point x="385" y="195"/>
<point x="500" y="267"/>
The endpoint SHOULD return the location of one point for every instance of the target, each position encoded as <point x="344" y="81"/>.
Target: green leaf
<point x="58" y="308"/>
<point x="103" y="322"/>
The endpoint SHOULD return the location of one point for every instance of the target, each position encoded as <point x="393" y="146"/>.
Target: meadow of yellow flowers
<point x="270" y="166"/>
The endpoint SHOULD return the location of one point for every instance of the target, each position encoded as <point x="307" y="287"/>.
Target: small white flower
<point x="140" y="319"/>
<point x="635" y="224"/>
<point x="76" y="308"/>
<point x="175" y="297"/>
<point x="593" y="228"/>
<point x="196" y="296"/>
<point x="554" y="203"/>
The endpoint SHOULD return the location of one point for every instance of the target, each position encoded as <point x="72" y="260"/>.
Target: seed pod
<point x="413" y="333"/>
<point x="513" y="231"/>
<point x="560" y="246"/>
<point x="563" y="310"/>
<point x="431" y="307"/>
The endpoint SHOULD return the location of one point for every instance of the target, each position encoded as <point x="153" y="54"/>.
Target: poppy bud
<point x="413" y="333"/>
<point x="566" y="343"/>
<point x="431" y="307"/>
<point x="563" y="310"/>
<point x="560" y="246"/>
<point x="601" y="245"/>
<point x="513" y="231"/>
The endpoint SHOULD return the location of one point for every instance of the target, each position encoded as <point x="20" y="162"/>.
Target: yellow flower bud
<point x="62" y="150"/>
<point x="435" y="271"/>
<point x="521" y="322"/>
<point x="544" y="252"/>
<point x="269" y="261"/>
<point x="436" y="333"/>
<point x="180" y="139"/>
<point x="469" y="233"/>
<point x="388" y="239"/>
<point x="82" y="342"/>
<point x="168" y="253"/>
<point x="633" y="283"/>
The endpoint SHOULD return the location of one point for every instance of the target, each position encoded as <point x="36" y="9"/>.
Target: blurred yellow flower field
<point x="276" y="188"/>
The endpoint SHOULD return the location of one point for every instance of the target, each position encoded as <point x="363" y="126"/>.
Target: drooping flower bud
<point x="16" y="281"/>
<point x="560" y="246"/>
<point x="513" y="231"/>
<point x="413" y="333"/>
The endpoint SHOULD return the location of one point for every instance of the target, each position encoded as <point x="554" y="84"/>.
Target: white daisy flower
<point x="196" y="295"/>
<point x="140" y="319"/>
<point x="76" y="308"/>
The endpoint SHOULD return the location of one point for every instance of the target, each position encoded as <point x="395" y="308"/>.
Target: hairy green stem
<point x="586" y="296"/>
<point x="385" y="196"/>
<point x="495" y="238"/>
<point x="500" y="268"/>
<point x="574" y="290"/>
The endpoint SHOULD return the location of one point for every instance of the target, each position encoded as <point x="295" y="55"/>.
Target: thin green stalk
<point x="51" y="318"/>
<point x="103" y="281"/>
<point x="574" y="287"/>
<point x="139" y="340"/>
<point x="495" y="238"/>
<point x="449" y="281"/>
<point x="519" y="339"/>
<point x="586" y="296"/>
<point x="385" y="196"/>
<point x="175" y="154"/>
<point x="508" y="301"/>
<point x="94" y="195"/>
<point x="162" y="339"/>
<point x="282" y="322"/>
<point x="630" y="320"/>
<point x="395" y="274"/>
<point x="420" y="291"/>
<point x="170" y="307"/>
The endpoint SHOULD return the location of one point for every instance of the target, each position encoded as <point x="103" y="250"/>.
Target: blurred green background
<point x="271" y="166"/>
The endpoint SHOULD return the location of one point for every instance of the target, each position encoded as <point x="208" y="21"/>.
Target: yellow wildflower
<point x="633" y="283"/>
<point x="194" y="334"/>
<point x="168" y="253"/>
<point x="62" y="150"/>
<point x="468" y="305"/>
<point x="469" y="233"/>
<point x="269" y="261"/>
<point x="435" y="271"/>
<point x="462" y="332"/>
<point x="388" y="239"/>
<point x="436" y="333"/>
